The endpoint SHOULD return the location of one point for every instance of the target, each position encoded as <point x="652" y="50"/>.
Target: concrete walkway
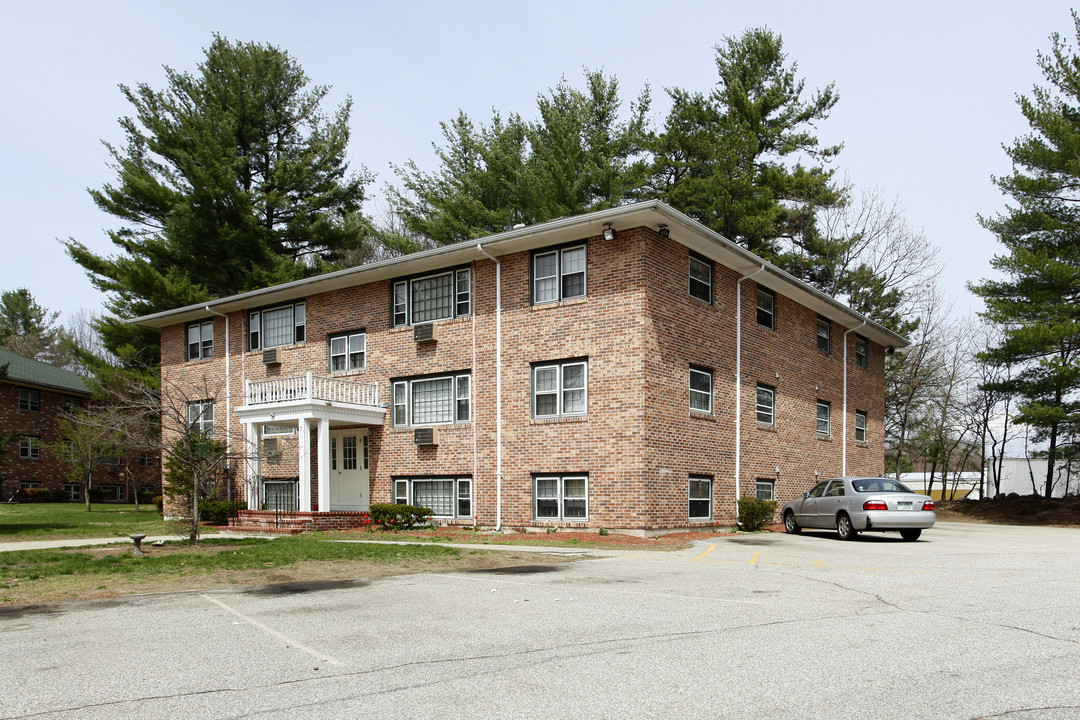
<point x="88" y="542"/>
<point x="540" y="549"/>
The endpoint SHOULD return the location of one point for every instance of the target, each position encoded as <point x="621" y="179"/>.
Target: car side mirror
<point x="805" y="495"/>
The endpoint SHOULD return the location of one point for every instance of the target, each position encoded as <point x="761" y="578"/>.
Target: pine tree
<point x="1037" y="303"/>
<point x="577" y="157"/>
<point x="232" y="178"/>
<point x="732" y="159"/>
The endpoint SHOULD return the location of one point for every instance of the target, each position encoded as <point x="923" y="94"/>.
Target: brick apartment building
<point x="589" y="371"/>
<point x="33" y="395"/>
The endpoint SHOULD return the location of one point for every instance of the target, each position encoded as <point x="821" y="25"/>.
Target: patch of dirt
<point x="560" y="538"/>
<point x="1020" y="510"/>
<point x="18" y="593"/>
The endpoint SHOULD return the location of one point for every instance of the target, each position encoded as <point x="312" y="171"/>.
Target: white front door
<point x="349" y="462"/>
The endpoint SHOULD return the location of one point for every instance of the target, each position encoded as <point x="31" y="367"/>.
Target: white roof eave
<point x="682" y="228"/>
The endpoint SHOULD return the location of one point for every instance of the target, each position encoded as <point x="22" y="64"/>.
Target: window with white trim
<point x="348" y="351"/>
<point x="862" y="351"/>
<point x="824" y="334"/>
<point x="200" y="340"/>
<point x="700" y="497"/>
<point x="200" y="416"/>
<point x="562" y="498"/>
<point x="446" y="497"/>
<point x="766" y="308"/>
<point x="429" y="298"/>
<point x="766" y="489"/>
<point x="74" y="491"/>
<point x="558" y="274"/>
<point x="30" y="448"/>
<point x="277" y="327"/>
<point x="701" y="389"/>
<point x="860" y="426"/>
<point x="30" y="399"/>
<point x="701" y="272"/>
<point x="824" y="417"/>
<point x="766" y="405"/>
<point x="560" y="389"/>
<point x="440" y="400"/>
<point x="70" y="403"/>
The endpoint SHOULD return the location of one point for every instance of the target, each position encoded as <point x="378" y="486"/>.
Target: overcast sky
<point x="927" y="92"/>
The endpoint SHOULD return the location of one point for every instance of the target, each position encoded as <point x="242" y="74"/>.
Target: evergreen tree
<point x="1037" y="303"/>
<point x="577" y="157"/>
<point x="232" y="179"/>
<point x="29" y="330"/>
<point x="726" y="158"/>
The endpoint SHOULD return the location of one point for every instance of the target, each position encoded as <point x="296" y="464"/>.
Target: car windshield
<point x="867" y="485"/>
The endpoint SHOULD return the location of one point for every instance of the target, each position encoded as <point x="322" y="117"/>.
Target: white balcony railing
<point x="309" y="387"/>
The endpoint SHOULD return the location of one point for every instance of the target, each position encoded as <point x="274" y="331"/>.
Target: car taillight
<point x="875" y="505"/>
<point x="928" y="505"/>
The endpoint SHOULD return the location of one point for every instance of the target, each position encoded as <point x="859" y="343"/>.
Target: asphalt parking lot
<point x="972" y="621"/>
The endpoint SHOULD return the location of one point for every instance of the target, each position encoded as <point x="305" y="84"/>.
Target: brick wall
<point x="640" y="331"/>
<point x="50" y="470"/>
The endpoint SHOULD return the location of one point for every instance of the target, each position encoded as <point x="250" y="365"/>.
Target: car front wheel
<point x="791" y="525"/>
<point x="911" y="534"/>
<point x="845" y="529"/>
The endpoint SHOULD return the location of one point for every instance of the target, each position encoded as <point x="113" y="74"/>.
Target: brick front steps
<point x="291" y="523"/>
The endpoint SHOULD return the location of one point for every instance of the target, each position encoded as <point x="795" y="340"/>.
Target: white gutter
<point x="228" y="392"/>
<point x="738" y="386"/>
<point x="498" y="385"/>
<point x="843" y="444"/>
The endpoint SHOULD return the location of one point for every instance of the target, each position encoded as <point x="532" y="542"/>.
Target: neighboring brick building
<point x="33" y="395"/>
<point x="617" y="392"/>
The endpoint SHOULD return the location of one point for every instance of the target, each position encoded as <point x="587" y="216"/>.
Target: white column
<point x="254" y="445"/>
<point x="323" y="450"/>
<point x="305" y="465"/>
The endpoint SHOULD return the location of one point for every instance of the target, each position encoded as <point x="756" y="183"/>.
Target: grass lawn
<point x="33" y="577"/>
<point x="57" y="521"/>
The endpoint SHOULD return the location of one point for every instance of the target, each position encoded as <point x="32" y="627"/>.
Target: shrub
<point x="399" y="517"/>
<point x="38" y="495"/>
<point x="755" y="514"/>
<point x="60" y="496"/>
<point x="146" y="497"/>
<point x="218" y="512"/>
<point x="159" y="502"/>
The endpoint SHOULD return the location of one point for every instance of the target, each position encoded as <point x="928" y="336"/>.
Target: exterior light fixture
<point x="609" y="232"/>
<point x="664" y="232"/>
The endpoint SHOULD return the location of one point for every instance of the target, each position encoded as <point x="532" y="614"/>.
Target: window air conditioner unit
<point x="428" y="332"/>
<point x="270" y="357"/>
<point x="426" y="436"/>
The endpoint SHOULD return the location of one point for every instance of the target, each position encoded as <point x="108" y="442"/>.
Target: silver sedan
<point x="857" y="504"/>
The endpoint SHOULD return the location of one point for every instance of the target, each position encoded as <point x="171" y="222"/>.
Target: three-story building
<point x="628" y="368"/>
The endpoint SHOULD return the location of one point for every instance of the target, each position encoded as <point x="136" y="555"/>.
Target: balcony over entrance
<point x="310" y="387"/>
<point x="311" y="396"/>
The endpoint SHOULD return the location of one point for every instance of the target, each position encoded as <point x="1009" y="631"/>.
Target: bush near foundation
<point x="218" y="512"/>
<point x="399" y="517"/>
<point x="755" y="514"/>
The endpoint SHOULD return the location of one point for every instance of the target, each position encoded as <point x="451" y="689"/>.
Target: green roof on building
<point x="34" y="372"/>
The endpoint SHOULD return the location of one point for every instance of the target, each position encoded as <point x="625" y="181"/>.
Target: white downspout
<point x="228" y="395"/>
<point x="498" y="386"/>
<point x="843" y="443"/>
<point x="738" y="387"/>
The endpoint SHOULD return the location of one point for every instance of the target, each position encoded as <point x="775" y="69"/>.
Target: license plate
<point x="903" y="505"/>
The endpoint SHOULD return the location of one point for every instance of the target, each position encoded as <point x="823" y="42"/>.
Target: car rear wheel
<point x="791" y="525"/>
<point x="844" y="528"/>
<point x="911" y="534"/>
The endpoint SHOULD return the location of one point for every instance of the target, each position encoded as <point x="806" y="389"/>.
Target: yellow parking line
<point x="753" y="558"/>
<point x="711" y="548"/>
